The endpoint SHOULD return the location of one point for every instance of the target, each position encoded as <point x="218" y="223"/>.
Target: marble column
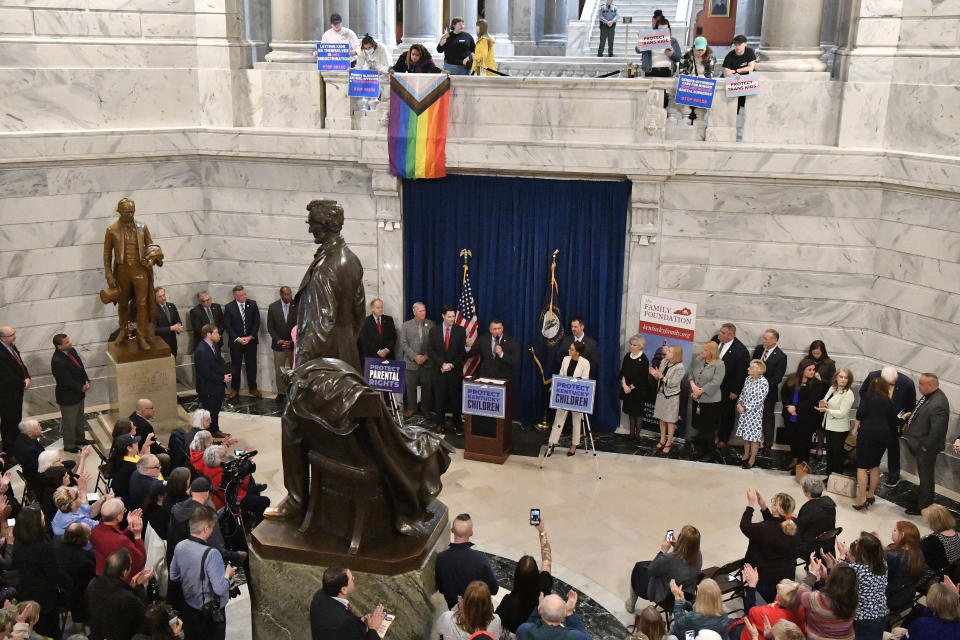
<point x="386" y="190"/>
<point x="497" y="15"/>
<point x="466" y="9"/>
<point x="555" y="21"/>
<point x="526" y="25"/>
<point x="790" y="36"/>
<point x="753" y="20"/>
<point x="422" y="23"/>
<point x="293" y="30"/>
<point x="363" y="17"/>
<point x="339" y="6"/>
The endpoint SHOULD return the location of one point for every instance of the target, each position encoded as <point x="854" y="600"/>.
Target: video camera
<point x="238" y="468"/>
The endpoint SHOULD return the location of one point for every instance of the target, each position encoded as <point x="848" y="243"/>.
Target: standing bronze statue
<point x="333" y="420"/>
<point x="128" y="258"/>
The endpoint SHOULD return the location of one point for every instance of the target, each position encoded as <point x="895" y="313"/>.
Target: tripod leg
<point x="593" y="446"/>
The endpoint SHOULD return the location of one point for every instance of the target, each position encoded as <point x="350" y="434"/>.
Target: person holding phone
<point x="529" y="581"/>
<point x="457" y="48"/>
<point x="679" y="559"/>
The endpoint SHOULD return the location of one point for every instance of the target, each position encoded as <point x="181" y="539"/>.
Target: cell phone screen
<point x="11" y="522"/>
<point x="534" y="517"/>
<point x="670" y="535"/>
<point x="691" y="635"/>
<point x="238" y="452"/>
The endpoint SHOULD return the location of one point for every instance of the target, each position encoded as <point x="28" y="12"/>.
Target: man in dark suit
<point x="143" y="412"/>
<point x="209" y="374"/>
<point x="166" y="323"/>
<point x="770" y="353"/>
<point x="242" y="321"/>
<point x="591" y="352"/>
<point x="14" y="380"/>
<point x="332" y="617"/>
<point x="736" y="359"/>
<point x="206" y="312"/>
<point x="499" y="353"/>
<point x="926" y="434"/>
<point x="447" y="349"/>
<point x="72" y="385"/>
<point x="281" y="319"/>
<point x="903" y="399"/>
<point x="378" y="335"/>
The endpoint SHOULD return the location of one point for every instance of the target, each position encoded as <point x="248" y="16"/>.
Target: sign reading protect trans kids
<point x="667" y="323"/>
<point x="385" y="375"/>
<point x="572" y="394"/>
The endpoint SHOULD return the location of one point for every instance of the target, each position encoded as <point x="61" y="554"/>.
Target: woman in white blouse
<point x="835" y="407"/>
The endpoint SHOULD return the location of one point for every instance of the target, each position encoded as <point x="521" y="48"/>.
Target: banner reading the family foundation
<point x="385" y="375"/>
<point x="667" y="323"/>
<point x="488" y="400"/>
<point x="572" y="394"/>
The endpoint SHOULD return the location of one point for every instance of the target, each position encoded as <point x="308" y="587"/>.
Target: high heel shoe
<point x="549" y="451"/>
<point x="871" y="500"/>
<point x="666" y="450"/>
<point x="659" y="446"/>
<point x="862" y="507"/>
<point x="572" y="451"/>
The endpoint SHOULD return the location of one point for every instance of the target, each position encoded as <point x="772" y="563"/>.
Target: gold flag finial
<point x="465" y="254"/>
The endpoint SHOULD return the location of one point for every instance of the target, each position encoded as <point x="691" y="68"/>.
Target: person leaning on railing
<point x="416" y="60"/>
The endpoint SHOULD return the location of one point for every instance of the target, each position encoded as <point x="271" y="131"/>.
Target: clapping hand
<point x="751" y="498"/>
<point x="842" y="551"/>
<point x="760" y="501"/>
<point x="828" y="559"/>
<point x="374" y="619"/>
<point x="4" y="509"/>
<point x="571" y="603"/>
<point x="750" y="628"/>
<point x="141" y="578"/>
<point x="950" y="584"/>
<point x="676" y="590"/>
<point x="816" y="567"/>
<point x="750" y="575"/>
<point x="135" y="522"/>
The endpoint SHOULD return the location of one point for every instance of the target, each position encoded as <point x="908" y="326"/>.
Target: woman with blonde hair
<point x="706" y="376"/>
<point x="706" y="613"/>
<point x="942" y="619"/>
<point x="773" y="545"/>
<point x="835" y="407"/>
<point x="786" y="606"/>
<point x="677" y="560"/>
<point x="942" y="547"/>
<point x="473" y="612"/>
<point x="634" y="390"/>
<point x="750" y="408"/>
<point x="669" y="376"/>
<point x="484" y="63"/>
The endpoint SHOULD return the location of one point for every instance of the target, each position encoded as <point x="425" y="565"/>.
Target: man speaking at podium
<point x="498" y="353"/>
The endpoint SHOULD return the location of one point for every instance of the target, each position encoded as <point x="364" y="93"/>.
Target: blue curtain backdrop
<point x="512" y="226"/>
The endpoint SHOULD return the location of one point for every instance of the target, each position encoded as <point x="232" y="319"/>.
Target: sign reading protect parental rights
<point x="385" y="375"/>
<point x="488" y="400"/>
<point x="572" y="394"/>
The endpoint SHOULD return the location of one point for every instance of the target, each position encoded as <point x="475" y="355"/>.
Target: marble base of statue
<point x="136" y="373"/>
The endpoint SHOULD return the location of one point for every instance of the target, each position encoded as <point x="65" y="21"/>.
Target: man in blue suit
<point x="209" y="373"/>
<point x="241" y="319"/>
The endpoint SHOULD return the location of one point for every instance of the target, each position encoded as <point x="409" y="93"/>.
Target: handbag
<point x="850" y="446"/>
<point x="842" y="485"/>
<point x="803" y="469"/>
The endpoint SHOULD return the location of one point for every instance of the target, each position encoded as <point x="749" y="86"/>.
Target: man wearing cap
<point x="179" y="528"/>
<point x="740" y="61"/>
<point x="339" y="33"/>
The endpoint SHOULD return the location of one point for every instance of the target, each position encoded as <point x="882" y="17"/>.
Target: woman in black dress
<point x="874" y="415"/>
<point x="634" y="388"/>
<point x="826" y="371"/>
<point x="801" y="396"/>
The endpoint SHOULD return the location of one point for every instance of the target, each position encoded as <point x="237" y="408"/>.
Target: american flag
<point x="467" y="318"/>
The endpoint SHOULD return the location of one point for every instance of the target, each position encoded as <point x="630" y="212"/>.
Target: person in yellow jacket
<point x="483" y="54"/>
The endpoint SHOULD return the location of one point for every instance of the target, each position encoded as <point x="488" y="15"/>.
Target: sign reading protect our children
<point x="748" y="85"/>
<point x="653" y="39"/>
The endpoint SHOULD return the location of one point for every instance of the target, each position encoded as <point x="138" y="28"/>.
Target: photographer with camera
<point x="203" y="578"/>
<point x="232" y="480"/>
<point x="179" y="528"/>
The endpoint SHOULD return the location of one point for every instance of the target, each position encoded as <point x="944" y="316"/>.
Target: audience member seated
<point x="117" y="600"/>
<point x="27" y="448"/>
<point x="200" y="420"/>
<point x="416" y="60"/>
<point x="108" y="537"/>
<point x="474" y="612"/>
<point x="179" y="527"/>
<point x="159" y="504"/>
<point x="332" y="618"/>
<point x="160" y="623"/>
<point x="52" y="476"/>
<point x="459" y="565"/>
<point x="41" y="577"/>
<point x="941" y="548"/>
<point x="78" y="563"/>
<point x="123" y="463"/>
<point x="528" y="583"/>
<point x="140" y="419"/>
<point x="866" y="557"/>
<point x="829" y="611"/>
<point x="125" y="427"/>
<point x="941" y="619"/>
<point x="677" y="560"/>
<point x="72" y="506"/>
<point x="651" y="624"/>
<point x="706" y="613"/>
<point x="773" y="543"/>
<point x="201" y="440"/>
<point x="786" y="606"/>
<point x="782" y="630"/>
<point x="554" y="619"/>
<point x="143" y="480"/>
<point x="817" y="515"/>
<point x="905" y="566"/>
<point x="248" y="493"/>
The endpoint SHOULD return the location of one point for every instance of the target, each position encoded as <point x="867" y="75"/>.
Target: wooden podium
<point x="488" y="439"/>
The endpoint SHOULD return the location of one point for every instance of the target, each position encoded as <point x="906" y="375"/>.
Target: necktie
<point x="209" y="314"/>
<point x="16" y="356"/>
<point x="493" y="347"/>
<point x="243" y="318"/>
<point x="286" y="310"/>
<point x="75" y="361"/>
<point x="166" y="312"/>
<point x="379" y="327"/>
<point x="915" y="409"/>
<point x="764" y="358"/>
<point x="446" y="337"/>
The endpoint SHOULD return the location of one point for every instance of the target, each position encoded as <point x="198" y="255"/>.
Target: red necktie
<point x="75" y="361"/>
<point x="379" y="328"/>
<point x="764" y="359"/>
<point x="16" y="356"/>
<point x="446" y="337"/>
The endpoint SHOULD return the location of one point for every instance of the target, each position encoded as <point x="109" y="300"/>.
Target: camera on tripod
<point x="238" y="468"/>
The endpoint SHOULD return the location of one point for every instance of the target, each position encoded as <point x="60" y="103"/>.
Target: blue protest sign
<point x="489" y="400"/>
<point x="695" y="92"/>
<point x="385" y="375"/>
<point x="333" y="56"/>
<point x="572" y="394"/>
<point x="363" y="83"/>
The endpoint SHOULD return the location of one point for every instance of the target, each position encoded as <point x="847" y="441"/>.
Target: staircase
<point x="641" y="12"/>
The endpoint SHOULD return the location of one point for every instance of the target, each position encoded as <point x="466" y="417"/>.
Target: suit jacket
<point x="904" y="392"/>
<point x="209" y="370"/>
<point x="198" y="318"/>
<point x="776" y="367"/>
<point x="162" y="326"/>
<point x="493" y="366"/>
<point x="12" y="377"/>
<point x="330" y="620"/>
<point x="736" y="362"/>
<point x="144" y="428"/>
<point x="455" y="354"/>
<point x="233" y="324"/>
<point x="70" y="378"/>
<point x="582" y="370"/>
<point x="277" y="327"/>
<point x="591" y="352"/>
<point x="927" y="426"/>
<point x="371" y="341"/>
<point x="411" y="344"/>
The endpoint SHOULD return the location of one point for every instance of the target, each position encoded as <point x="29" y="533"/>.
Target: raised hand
<point x="750" y="628"/>
<point x="750" y="575"/>
<point x="571" y="603"/>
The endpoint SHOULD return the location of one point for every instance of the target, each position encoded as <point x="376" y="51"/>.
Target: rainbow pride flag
<point x="417" y="137"/>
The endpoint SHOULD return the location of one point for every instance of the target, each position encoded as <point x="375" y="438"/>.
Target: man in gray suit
<point x="926" y="433"/>
<point x="413" y="350"/>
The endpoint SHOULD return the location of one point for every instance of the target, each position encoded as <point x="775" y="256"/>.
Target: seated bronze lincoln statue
<point x="330" y="409"/>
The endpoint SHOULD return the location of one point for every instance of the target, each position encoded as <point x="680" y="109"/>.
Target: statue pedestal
<point x="139" y="374"/>
<point x="287" y="570"/>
